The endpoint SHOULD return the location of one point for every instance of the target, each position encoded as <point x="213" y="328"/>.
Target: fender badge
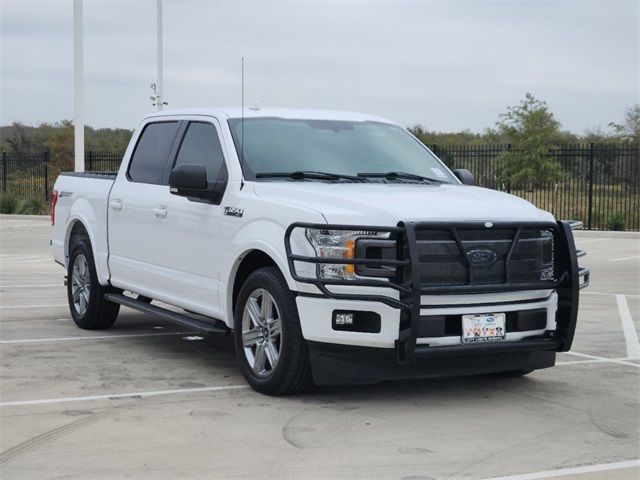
<point x="233" y="211"/>
<point x="488" y="224"/>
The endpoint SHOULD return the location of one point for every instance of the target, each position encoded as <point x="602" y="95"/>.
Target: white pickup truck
<point x="334" y="246"/>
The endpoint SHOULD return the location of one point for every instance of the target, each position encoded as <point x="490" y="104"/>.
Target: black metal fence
<point x="25" y="174"/>
<point x="599" y="184"/>
<point x="102" y="161"/>
<point x="31" y="175"/>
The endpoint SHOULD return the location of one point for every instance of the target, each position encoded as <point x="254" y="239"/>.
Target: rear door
<point x="135" y="252"/>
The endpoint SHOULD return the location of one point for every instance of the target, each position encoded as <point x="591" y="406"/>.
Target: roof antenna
<point x="242" y="132"/>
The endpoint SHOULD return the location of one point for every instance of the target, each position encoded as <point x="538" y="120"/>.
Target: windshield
<point x="339" y="147"/>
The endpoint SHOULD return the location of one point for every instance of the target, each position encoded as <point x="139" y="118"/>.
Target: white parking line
<point x="581" y="242"/>
<point x="625" y="258"/>
<point x="34" y="306"/>
<point x="629" y="329"/>
<point x="603" y="359"/>
<point x="563" y="472"/>
<point x="91" y="337"/>
<point x="608" y="293"/>
<point x="116" y="396"/>
<point x="34" y="285"/>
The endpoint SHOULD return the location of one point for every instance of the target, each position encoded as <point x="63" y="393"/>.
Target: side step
<point x="174" y="317"/>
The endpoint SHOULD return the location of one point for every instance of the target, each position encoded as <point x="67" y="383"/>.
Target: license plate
<point x="483" y="327"/>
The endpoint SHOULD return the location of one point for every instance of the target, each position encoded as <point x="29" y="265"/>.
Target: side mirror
<point x="190" y="180"/>
<point x="465" y="176"/>
<point x="188" y="176"/>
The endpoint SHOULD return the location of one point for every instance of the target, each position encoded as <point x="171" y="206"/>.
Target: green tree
<point x="629" y="131"/>
<point x="60" y="144"/>
<point x="532" y="131"/>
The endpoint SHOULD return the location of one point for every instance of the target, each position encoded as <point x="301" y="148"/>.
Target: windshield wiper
<point x="400" y="175"/>
<point x="308" y="174"/>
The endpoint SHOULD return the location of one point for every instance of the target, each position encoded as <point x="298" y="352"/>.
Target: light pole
<point x="78" y="120"/>
<point x="159" y="100"/>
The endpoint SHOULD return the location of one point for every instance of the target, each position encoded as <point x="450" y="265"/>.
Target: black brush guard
<point x="569" y="278"/>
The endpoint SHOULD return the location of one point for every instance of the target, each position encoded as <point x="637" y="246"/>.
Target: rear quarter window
<point x="150" y="157"/>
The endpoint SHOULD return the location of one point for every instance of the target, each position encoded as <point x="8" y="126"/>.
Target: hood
<point x="386" y="204"/>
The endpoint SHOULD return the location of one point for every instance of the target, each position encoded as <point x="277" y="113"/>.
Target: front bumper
<point x="344" y="357"/>
<point x="334" y="364"/>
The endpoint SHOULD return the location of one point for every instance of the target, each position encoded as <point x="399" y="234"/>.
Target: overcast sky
<point x="448" y="65"/>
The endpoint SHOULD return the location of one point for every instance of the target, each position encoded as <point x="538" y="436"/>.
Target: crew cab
<point x="335" y="247"/>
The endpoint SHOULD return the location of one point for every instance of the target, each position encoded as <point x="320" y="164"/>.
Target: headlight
<point x="337" y="244"/>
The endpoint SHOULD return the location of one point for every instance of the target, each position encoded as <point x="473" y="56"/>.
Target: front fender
<point x="264" y="235"/>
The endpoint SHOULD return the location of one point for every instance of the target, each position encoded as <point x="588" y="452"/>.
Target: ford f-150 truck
<point x="335" y="247"/>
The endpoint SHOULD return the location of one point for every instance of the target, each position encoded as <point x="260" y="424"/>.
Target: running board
<point x="174" y="317"/>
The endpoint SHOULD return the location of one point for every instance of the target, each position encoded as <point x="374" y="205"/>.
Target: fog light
<point x="344" y="319"/>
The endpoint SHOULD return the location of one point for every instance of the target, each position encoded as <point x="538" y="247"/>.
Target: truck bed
<point x="84" y="197"/>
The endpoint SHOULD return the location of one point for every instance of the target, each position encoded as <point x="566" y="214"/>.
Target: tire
<point x="266" y="319"/>
<point x="89" y="310"/>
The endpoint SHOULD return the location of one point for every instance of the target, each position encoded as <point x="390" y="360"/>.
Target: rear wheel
<point x="272" y="352"/>
<point x="89" y="309"/>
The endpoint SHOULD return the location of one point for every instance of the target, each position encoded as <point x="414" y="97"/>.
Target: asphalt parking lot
<point x="147" y="399"/>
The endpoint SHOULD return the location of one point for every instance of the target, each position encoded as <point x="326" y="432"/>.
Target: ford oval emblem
<point x="482" y="257"/>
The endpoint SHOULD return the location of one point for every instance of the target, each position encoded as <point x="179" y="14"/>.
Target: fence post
<point x="90" y="153"/>
<point x="590" y="205"/>
<point x="46" y="176"/>
<point x="4" y="171"/>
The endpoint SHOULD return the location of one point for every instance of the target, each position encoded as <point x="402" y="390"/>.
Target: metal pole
<point x="46" y="176"/>
<point x="78" y="121"/>
<point x="590" y="206"/>
<point x="4" y="171"/>
<point x="159" y="90"/>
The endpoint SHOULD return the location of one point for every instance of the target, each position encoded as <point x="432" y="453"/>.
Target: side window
<point x="201" y="145"/>
<point x="150" y="157"/>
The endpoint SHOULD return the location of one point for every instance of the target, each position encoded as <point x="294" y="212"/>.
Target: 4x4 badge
<point x="233" y="211"/>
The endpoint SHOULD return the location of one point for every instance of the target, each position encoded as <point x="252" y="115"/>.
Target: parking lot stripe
<point x="629" y="329"/>
<point x="625" y="258"/>
<point x="91" y="337"/>
<point x="34" y="285"/>
<point x="116" y="396"/>
<point x="563" y="472"/>
<point x="609" y="294"/>
<point x="603" y="359"/>
<point x="34" y="306"/>
<point x="582" y="242"/>
<point x="579" y="362"/>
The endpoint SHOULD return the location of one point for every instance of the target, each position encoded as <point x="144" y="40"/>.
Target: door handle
<point x="116" y="205"/>
<point x="160" y="212"/>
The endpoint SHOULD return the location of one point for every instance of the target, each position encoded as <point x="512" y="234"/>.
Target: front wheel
<point x="89" y="309"/>
<point x="272" y="352"/>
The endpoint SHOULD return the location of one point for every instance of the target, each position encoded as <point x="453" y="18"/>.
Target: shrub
<point x="616" y="222"/>
<point x="7" y="203"/>
<point x="29" y="206"/>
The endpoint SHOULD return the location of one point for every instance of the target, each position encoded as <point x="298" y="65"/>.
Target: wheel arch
<point x="249" y="261"/>
<point x="77" y="229"/>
